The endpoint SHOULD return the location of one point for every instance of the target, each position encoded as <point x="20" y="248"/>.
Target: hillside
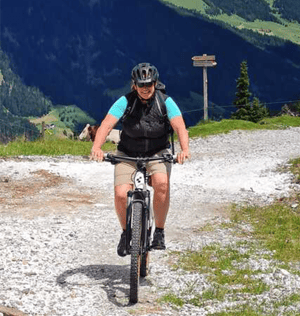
<point x="63" y="120"/>
<point x="279" y="18"/>
<point x="24" y="108"/>
<point x="82" y="52"/>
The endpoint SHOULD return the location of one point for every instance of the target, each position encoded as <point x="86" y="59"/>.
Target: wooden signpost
<point x="205" y="61"/>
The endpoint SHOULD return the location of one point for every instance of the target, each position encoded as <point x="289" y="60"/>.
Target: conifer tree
<point x="257" y="111"/>
<point x="246" y="110"/>
<point x="243" y="94"/>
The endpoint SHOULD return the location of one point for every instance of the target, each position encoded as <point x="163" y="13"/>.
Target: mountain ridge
<point x="273" y="18"/>
<point x="82" y="53"/>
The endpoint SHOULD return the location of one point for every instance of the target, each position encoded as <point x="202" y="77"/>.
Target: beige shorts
<point x="124" y="171"/>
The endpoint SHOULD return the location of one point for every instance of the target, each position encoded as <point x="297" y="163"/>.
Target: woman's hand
<point x="105" y="128"/>
<point x="183" y="156"/>
<point x="97" y="154"/>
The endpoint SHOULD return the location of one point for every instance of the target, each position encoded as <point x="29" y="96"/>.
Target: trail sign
<point x="205" y="61"/>
<point x="205" y="57"/>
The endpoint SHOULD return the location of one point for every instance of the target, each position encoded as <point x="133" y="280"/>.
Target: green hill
<point x="23" y="109"/>
<point x="278" y="18"/>
<point x="63" y="121"/>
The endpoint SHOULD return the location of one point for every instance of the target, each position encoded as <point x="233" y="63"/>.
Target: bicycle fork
<point x="144" y="198"/>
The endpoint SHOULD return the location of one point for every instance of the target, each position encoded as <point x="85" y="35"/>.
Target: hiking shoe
<point x="121" y="250"/>
<point x="158" y="239"/>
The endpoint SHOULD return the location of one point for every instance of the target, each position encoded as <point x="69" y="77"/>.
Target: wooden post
<point x="205" y="61"/>
<point x="43" y="129"/>
<point x="205" y="94"/>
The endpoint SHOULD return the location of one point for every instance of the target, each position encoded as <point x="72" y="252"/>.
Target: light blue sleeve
<point x="172" y="108"/>
<point x="118" y="108"/>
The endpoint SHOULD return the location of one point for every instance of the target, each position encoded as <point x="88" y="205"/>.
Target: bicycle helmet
<point x="144" y="73"/>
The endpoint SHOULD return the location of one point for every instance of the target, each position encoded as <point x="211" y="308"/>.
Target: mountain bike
<point x="139" y="219"/>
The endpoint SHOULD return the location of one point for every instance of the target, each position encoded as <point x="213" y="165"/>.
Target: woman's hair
<point x="132" y="86"/>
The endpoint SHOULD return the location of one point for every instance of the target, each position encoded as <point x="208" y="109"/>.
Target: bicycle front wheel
<point x="145" y="257"/>
<point x="145" y="264"/>
<point x="136" y="232"/>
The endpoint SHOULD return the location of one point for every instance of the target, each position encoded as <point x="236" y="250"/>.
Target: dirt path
<point x="59" y="231"/>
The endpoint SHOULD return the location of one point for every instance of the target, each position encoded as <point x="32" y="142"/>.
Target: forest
<point x="17" y="102"/>
<point x="289" y="9"/>
<point x="259" y="9"/>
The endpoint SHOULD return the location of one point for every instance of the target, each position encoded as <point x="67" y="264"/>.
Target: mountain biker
<point x="144" y="133"/>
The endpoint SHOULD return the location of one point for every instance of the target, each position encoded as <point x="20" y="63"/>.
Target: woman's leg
<point x="161" y="198"/>
<point x="121" y="202"/>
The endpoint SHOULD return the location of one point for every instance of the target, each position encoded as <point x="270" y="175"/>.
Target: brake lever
<point x="108" y="157"/>
<point x="170" y="158"/>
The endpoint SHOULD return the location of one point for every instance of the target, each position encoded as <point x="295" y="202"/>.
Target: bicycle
<point x="139" y="219"/>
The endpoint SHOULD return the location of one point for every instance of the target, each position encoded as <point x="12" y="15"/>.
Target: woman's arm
<point x="105" y="128"/>
<point x="111" y="119"/>
<point x="178" y="125"/>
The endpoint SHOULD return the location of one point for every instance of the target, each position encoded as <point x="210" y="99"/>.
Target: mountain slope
<point x="270" y="17"/>
<point x="82" y="52"/>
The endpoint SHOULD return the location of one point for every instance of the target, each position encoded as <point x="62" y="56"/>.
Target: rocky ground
<point x="59" y="232"/>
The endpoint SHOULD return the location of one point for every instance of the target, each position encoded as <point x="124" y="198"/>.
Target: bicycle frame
<point x="138" y="200"/>
<point x="139" y="195"/>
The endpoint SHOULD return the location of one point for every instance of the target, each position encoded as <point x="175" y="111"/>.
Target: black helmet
<point x="144" y="73"/>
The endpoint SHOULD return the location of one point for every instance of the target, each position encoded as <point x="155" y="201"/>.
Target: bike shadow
<point x="113" y="279"/>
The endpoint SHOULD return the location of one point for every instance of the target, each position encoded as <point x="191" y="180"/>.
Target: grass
<point x="219" y="264"/>
<point x="50" y="146"/>
<point x="275" y="237"/>
<point x="173" y="299"/>
<point x="295" y="169"/>
<point x="225" y="126"/>
<point x="277" y="225"/>
<point x="54" y="145"/>
<point x="199" y="5"/>
<point x="282" y="121"/>
<point x="246" y="311"/>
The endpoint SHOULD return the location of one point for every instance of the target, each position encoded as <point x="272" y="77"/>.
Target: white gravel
<point x="66" y="263"/>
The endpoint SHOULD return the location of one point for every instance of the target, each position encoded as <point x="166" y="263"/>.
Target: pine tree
<point x="243" y="94"/>
<point x="246" y="110"/>
<point x="257" y="111"/>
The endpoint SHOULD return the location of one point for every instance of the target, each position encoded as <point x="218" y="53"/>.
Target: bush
<point x="253" y="112"/>
<point x="292" y="109"/>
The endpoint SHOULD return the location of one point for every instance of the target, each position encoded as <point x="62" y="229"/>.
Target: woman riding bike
<point x="145" y="133"/>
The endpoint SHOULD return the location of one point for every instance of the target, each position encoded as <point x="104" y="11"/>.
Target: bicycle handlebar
<point x="164" y="158"/>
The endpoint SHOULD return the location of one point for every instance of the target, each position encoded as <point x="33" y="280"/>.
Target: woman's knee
<point x="160" y="182"/>
<point x="121" y="191"/>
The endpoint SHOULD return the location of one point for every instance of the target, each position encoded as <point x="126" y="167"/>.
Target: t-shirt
<point x="119" y="107"/>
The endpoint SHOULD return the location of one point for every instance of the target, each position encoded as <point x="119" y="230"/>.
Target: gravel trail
<point x="59" y="232"/>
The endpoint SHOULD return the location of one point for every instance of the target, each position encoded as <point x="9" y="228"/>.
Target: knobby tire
<point x="145" y="264"/>
<point x="136" y="232"/>
<point x="145" y="260"/>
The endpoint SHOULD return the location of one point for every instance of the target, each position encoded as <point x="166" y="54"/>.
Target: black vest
<point x="145" y="128"/>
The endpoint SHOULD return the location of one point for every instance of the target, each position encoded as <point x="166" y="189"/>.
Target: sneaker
<point x="121" y="250"/>
<point x="158" y="239"/>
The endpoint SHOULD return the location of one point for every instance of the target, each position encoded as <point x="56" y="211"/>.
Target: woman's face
<point x="145" y="91"/>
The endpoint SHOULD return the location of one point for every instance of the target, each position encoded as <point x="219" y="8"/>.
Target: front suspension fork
<point x="144" y="197"/>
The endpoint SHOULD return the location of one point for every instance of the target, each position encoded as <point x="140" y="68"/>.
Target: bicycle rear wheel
<point x="136" y="232"/>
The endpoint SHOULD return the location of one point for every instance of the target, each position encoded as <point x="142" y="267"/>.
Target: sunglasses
<point x="148" y="84"/>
